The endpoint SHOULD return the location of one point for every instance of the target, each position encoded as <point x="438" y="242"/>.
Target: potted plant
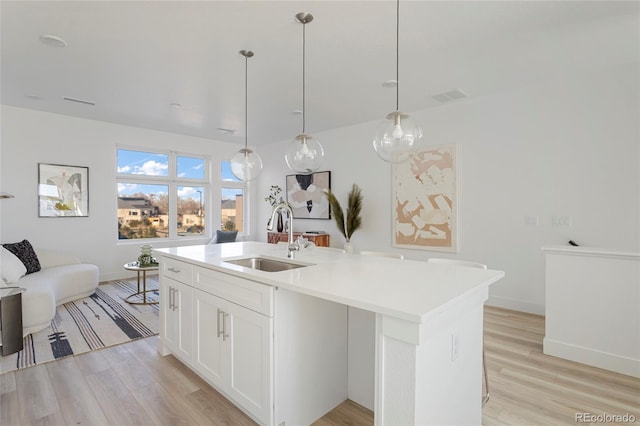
<point x="349" y="224"/>
<point x="274" y="199"/>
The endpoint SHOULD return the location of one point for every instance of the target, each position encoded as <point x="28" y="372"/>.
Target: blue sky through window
<point x="184" y="192"/>
<point x="227" y="176"/>
<point x="142" y="163"/>
<point x="191" y="167"/>
<point x="153" y="164"/>
<point x="125" y="189"/>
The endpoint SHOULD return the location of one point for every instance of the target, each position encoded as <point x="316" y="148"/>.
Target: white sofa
<point x="63" y="278"/>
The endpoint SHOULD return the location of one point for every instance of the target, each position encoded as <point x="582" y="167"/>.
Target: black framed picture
<point x="305" y="194"/>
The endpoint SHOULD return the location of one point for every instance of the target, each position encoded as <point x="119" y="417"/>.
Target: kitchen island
<point x="275" y="343"/>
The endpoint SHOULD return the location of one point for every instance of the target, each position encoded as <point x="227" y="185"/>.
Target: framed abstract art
<point x="305" y="194"/>
<point x="63" y="191"/>
<point x="425" y="205"/>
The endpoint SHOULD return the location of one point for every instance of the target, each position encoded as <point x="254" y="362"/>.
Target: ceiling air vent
<point x="79" y="101"/>
<point x="451" y="95"/>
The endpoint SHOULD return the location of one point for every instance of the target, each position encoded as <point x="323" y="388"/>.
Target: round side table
<point x="133" y="266"/>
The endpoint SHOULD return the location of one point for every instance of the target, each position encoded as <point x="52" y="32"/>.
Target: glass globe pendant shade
<point x="304" y="155"/>
<point x="246" y="165"/>
<point x="397" y="137"/>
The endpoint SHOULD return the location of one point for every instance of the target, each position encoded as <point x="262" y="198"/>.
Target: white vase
<point x="348" y="247"/>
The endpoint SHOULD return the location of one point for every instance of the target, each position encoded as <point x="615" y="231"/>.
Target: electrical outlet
<point x="531" y="220"/>
<point x="455" y="346"/>
<point x="561" y="220"/>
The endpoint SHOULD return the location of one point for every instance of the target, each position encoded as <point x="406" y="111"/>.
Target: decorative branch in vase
<point x="353" y="220"/>
<point x="274" y="199"/>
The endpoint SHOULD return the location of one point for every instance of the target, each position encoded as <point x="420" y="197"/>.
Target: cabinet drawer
<point x="177" y="270"/>
<point x="250" y="294"/>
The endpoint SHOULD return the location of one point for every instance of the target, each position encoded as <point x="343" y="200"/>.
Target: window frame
<point x="235" y="184"/>
<point x="172" y="181"/>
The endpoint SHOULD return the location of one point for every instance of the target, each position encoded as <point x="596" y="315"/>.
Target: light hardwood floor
<point x="530" y="388"/>
<point x="133" y="384"/>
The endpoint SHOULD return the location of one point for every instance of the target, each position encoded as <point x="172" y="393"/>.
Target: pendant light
<point x="398" y="135"/>
<point x="246" y="164"/>
<point x="304" y="154"/>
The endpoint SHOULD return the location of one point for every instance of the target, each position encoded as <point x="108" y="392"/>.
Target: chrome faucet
<point x="292" y="246"/>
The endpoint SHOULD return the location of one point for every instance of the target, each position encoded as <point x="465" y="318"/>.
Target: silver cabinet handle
<point x="175" y="304"/>
<point x="220" y="332"/>
<point x="172" y="269"/>
<point x="172" y="298"/>
<point x="224" y="327"/>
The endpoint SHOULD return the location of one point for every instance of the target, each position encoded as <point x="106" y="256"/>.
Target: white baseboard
<point x="608" y="361"/>
<point x="516" y="305"/>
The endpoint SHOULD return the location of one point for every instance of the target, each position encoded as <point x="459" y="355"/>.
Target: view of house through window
<point x="232" y="201"/>
<point x="142" y="211"/>
<point x="161" y="195"/>
<point x="190" y="211"/>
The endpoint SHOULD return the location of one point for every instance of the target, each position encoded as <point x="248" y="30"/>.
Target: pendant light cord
<point x="246" y="102"/>
<point x="304" y="43"/>
<point x="397" y="55"/>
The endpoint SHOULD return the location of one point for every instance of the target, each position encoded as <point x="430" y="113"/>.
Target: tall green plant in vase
<point x="349" y="224"/>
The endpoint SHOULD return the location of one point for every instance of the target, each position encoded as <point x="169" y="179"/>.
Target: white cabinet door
<point x="227" y="344"/>
<point x="210" y="343"/>
<point x="168" y="318"/>
<point x="250" y="360"/>
<point x="177" y="321"/>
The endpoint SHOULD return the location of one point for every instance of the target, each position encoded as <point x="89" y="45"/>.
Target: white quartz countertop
<point x="405" y="289"/>
<point x="591" y="251"/>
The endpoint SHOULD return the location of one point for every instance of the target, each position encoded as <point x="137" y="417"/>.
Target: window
<point x="161" y="195"/>
<point x="190" y="210"/>
<point x="232" y="205"/>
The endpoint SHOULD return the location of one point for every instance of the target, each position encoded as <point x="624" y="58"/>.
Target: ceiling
<point x="134" y="59"/>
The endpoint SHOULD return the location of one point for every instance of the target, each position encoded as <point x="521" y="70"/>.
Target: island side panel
<point x="362" y="344"/>
<point x="431" y="373"/>
<point x="310" y="337"/>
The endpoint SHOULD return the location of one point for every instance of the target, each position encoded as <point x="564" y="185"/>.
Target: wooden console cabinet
<point x="320" y="240"/>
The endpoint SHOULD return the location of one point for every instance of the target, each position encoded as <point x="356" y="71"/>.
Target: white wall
<point x="566" y="148"/>
<point x="30" y="137"/>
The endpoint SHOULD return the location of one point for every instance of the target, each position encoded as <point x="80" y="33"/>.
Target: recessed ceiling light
<point x="227" y="131"/>
<point x="297" y="112"/>
<point x="175" y="105"/>
<point x="51" y="40"/>
<point x="390" y="83"/>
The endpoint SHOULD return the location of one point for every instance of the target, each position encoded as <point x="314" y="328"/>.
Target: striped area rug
<point x="98" y="321"/>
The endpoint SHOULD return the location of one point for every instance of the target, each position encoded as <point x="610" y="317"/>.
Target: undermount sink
<point x="265" y="264"/>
